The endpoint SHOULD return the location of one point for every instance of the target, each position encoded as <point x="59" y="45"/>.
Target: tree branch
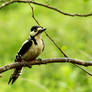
<point x="44" y="61"/>
<point x="6" y="4"/>
<point x="44" y="5"/>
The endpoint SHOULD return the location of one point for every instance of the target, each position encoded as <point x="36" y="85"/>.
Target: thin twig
<point x="33" y="14"/>
<point x="56" y="45"/>
<point x="6" y="3"/>
<point x="44" y="5"/>
<point x="44" y="61"/>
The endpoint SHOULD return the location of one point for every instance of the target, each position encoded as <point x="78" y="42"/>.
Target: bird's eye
<point x="35" y="30"/>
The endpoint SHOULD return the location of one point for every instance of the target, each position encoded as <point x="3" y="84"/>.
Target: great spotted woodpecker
<point x="30" y="50"/>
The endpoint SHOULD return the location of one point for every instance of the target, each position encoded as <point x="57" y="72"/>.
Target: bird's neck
<point x="38" y="37"/>
<point x="35" y="39"/>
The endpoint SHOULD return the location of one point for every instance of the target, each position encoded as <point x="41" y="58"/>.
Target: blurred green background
<point x="72" y="34"/>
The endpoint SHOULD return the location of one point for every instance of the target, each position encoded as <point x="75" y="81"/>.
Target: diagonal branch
<point x="6" y="3"/>
<point x="44" y="5"/>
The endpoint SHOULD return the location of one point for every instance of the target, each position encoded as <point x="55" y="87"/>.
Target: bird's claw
<point x="29" y="66"/>
<point x="39" y="59"/>
<point x="17" y="58"/>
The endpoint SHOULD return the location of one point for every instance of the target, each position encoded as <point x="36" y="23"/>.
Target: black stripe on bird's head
<point x="35" y="30"/>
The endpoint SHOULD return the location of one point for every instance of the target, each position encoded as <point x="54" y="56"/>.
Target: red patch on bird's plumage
<point x="29" y="60"/>
<point x="19" y="60"/>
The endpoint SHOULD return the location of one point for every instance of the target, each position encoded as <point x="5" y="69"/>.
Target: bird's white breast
<point x="34" y="50"/>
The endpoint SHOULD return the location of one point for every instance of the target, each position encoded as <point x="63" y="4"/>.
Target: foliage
<point x="73" y="34"/>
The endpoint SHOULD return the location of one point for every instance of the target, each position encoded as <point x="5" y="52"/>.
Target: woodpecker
<point x="29" y="51"/>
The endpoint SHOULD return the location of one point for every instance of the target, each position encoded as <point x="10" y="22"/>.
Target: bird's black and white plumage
<point x="29" y="51"/>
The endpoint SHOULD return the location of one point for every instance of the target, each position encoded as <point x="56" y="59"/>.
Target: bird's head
<point x="37" y="31"/>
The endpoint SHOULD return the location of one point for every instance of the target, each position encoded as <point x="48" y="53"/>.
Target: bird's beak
<point x="42" y="30"/>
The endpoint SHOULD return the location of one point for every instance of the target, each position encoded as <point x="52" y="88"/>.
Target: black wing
<point x="24" y="49"/>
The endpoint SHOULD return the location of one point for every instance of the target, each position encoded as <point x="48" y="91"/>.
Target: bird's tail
<point x="15" y="75"/>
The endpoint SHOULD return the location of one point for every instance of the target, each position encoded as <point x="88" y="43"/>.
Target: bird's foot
<point x="18" y="58"/>
<point x="29" y="66"/>
<point x="39" y="59"/>
<point x="0" y="75"/>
